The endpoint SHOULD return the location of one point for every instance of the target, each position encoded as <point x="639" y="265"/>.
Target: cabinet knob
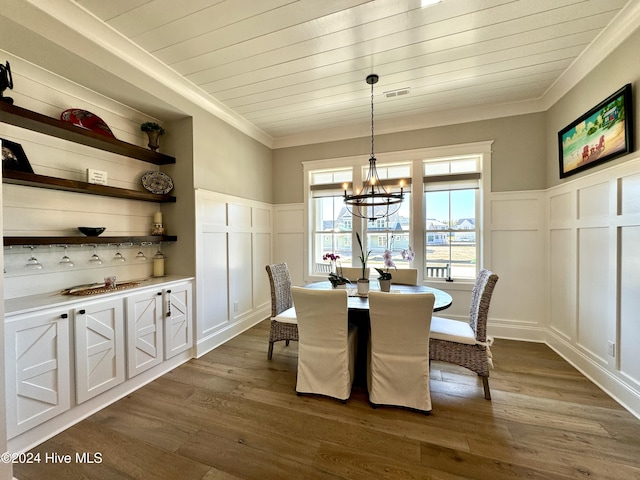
<point x="168" y="291"/>
<point x="159" y="293"/>
<point x="64" y="315"/>
<point x="82" y="312"/>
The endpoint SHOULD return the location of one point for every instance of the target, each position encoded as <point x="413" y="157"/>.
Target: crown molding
<point x="430" y="119"/>
<point x="90" y="38"/>
<point x="611" y="37"/>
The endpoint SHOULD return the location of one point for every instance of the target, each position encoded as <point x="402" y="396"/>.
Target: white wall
<point x="233" y="245"/>
<point x="594" y="278"/>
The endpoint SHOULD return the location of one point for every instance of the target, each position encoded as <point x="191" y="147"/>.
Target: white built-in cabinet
<point x="59" y="357"/>
<point x="178" y="326"/>
<point x="144" y="332"/>
<point x="99" y="347"/>
<point x="38" y="360"/>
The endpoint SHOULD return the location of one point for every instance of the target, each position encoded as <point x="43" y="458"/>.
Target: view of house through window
<point x="393" y="232"/>
<point x="451" y="204"/>
<point x="331" y="223"/>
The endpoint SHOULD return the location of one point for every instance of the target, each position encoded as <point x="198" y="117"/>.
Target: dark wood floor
<point x="234" y="415"/>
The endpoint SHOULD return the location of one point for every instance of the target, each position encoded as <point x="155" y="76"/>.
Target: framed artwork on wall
<point x="603" y="133"/>
<point x="13" y="157"/>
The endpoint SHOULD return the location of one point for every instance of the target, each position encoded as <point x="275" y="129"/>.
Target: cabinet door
<point x="144" y="331"/>
<point x="37" y="359"/>
<point x="99" y="335"/>
<point x="178" y="335"/>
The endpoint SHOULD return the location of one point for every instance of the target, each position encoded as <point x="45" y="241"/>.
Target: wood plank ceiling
<point x="293" y="67"/>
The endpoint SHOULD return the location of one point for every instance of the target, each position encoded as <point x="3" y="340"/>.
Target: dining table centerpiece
<point x="385" y="276"/>
<point x="363" y="281"/>
<point x="335" y="275"/>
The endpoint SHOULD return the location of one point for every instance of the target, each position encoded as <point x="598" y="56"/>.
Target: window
<point x="442" y="221"/>
<point x="451" y="197"/>
<point x="391" y="232"/>
<point x="330" y="222"/>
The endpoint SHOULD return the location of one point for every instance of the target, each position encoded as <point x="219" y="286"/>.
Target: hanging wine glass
<point x="140" y="256"/>
<point x="32" y="262"/>
<point x="118" y="257"/>
<point x="65" y="261"/>
<point x="95" y="259"/>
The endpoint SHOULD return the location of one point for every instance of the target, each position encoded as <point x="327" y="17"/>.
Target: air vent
<point x="401" y="92"/>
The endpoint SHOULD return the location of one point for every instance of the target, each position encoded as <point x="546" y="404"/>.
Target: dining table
<point x="357" y="302"/>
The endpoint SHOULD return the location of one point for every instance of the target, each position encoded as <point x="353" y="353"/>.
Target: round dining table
<point x="356" y="302"/>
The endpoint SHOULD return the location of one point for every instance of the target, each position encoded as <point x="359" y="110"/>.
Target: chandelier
<point x="372" y="201"/>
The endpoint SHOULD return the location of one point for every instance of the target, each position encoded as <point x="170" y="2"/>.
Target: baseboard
<point x="231" y="330"/>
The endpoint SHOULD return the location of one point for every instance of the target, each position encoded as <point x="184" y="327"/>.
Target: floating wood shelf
<point x="10" y="241"/>
<point x="53" y="183"/>
<point x="21" y="117"/>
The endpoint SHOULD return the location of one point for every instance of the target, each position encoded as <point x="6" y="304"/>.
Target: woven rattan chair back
<point x="281" y="300"/>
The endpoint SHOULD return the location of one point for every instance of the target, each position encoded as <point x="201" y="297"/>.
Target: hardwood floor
<point x="232" y="414"/>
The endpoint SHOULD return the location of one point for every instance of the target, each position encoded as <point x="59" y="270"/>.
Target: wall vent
<point x="401" y="92"/>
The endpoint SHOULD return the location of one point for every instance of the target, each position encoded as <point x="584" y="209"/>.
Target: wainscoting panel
<point x="630" y="303"/>
<point x="593" y="201"/>
<point x="289" y="240"/>
<point x="560" y="208"/>
<point x="240" y="274"/>
<point x="562" y="282"/>
<point x="262" y="256"/>
<point x="630" y="195"/>
<point x="594" y="312"/>
<point x="517" y="259"/>
<point x="212" y="283"/>
<point x="233" y="289"/>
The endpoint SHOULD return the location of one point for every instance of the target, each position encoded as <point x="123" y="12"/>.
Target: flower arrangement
<point x="408" y="254"/>
<point x="363" y="257"/>
<point x="336" y="277"/>
<point x="388" y="263"/>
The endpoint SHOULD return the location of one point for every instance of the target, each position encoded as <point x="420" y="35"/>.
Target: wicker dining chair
<point x="284" y="324"/>
<point x="466" y="344"/>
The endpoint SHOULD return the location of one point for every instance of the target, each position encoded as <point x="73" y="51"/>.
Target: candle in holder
<point x="157" y="229"/>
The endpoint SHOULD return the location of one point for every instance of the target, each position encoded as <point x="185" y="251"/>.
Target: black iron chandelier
<point x="373" y="201"/>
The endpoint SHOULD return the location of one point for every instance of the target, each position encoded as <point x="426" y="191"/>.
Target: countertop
<point x="19" y="305"/>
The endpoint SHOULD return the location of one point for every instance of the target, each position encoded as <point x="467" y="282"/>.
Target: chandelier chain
<point x="372" y="150"/>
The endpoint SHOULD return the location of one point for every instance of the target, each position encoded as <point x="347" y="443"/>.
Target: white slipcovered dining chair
<point x="404" y="276"/>
<point x="353" y="273"/>
<point x="466" y="343"/>
<point x="284" y="325"/>
<point x="398" y="360"/>
<point x="327" y="345"/>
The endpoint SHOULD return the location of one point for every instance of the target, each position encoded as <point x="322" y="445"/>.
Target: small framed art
<point x="13" y="157"/>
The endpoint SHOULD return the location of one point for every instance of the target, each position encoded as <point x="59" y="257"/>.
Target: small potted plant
<point x="363" y="282"/>
<point x="385" y="277"/>
<point x="153" y="131"/>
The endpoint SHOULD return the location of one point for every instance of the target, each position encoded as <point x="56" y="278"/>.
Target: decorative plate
<point x="86" y="120"/>
<point x="157" y="182"/>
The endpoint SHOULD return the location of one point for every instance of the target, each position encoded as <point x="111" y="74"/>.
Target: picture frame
<point x="603" y="133"/>
<point x="13" y="157"/>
